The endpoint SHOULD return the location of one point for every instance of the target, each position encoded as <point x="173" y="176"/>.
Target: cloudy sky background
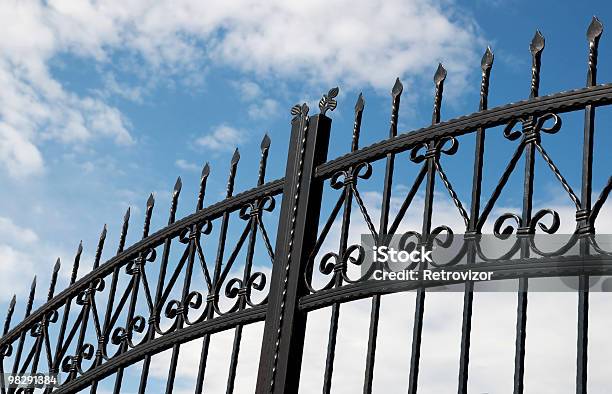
<point x="102" y="103"/>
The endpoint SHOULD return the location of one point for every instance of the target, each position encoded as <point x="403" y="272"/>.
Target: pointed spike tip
<point x="265" y="142"/>
<point x="178" y="185"/>
<point x="397" y="88"/>
<point x="206" y="170"/>
<point x="595" y="29"/>
<point x="13" y="302"/>
<point x="487" y="59"/>
<point x="103" y="235"/>
<point x="126" y="217"/>
<point x="57" y="265"/>
<point x="236" y="156"/>
<point x="440" y="75"/>
<point x="80" y="248"/>
<point x="360" y="104"/>
<point x="150" y="201"/>
<point x="537" y="43"/>
<point x="33" y="286"/>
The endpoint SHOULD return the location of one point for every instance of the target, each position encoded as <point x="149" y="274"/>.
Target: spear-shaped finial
<point x="439" y="78"/>
<point x="232" y="175"/>
<point x="486" y="63"/>
<point x="77" y="261"/>
<point x="202" y="192"/>
<point x="56" y="269"/>
<point x="175" y="195"/>
<point x="265" y="148"/>
<point x="9" y="315"/>
<point x="398" y="88"/>
<point x="124" y="230"/>
<point x="359" y="106"/>
<point x="593" y="34"/>
<point x="177" y="187"/>
<point x="31" y="297"/>
<point x="99" y="248"/>
<point x="536" y="47"/>
<point x="148" y="214"/>
<point x="396" y="93"/>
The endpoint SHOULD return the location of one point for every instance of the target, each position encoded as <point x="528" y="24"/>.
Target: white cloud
<point x="267" y="108"/>
<point x="222" y="138"/>
<point x="185" y="165"/>
<point x="371" y="44"/>
<point x="248" y="90"/>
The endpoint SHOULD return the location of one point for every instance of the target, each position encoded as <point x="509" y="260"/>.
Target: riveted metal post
<point x="285" y="325"/>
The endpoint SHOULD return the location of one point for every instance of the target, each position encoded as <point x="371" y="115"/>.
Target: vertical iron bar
<point x="214" y="295"/>
<point x="285" y="324"/>
<point x="89" y="295"/>
<point x="536" y="48"/>
<point x="255" y="216"/>
<point x="344" y="234"/>
<point x="28" y="310"/>
<point x="419" y="309"/>
<point x="43" y="325"/>
<point x="7" y="325"/>
<point x="134" y="291"/>
<point x="102" y="340"/>
<point x="396" y="93"/>
<point x="65" y="315"/>
<point x="582" y="216"/>
<point x="468" y="295"/>
<point x="144" y="375"/>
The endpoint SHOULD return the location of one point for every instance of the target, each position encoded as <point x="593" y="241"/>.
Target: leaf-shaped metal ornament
<point x="595" y="29"/>
<point x="300" y="110"/>
<point x="398" y="88"/>
<point x="487" y="59"/>
<point x="296" y="110"/>
<point x="328" y="101"/>
<point x="537" y="43"/>
<point x="265" y="142"/>
<point x="440" y="74"/>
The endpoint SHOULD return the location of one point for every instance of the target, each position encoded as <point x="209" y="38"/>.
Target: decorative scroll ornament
<point x="328" y="101"/>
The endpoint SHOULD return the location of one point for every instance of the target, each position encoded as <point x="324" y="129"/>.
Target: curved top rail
<point x="211" y="212"/>
<point x="559" y="102"/>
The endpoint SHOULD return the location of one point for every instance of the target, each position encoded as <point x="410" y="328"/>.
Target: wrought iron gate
<point x="145" y="300"/>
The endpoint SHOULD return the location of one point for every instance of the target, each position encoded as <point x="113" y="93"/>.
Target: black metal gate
<point x="145" y="300"/>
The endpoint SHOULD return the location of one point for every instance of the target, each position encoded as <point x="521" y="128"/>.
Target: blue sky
<point x="101" y="104"/>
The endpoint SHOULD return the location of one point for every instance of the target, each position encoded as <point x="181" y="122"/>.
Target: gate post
<point x="285" y="324"/>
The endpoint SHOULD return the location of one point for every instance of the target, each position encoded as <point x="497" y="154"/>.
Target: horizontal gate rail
<point x="558" y="103"/>
<point x="503" y="270"/>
